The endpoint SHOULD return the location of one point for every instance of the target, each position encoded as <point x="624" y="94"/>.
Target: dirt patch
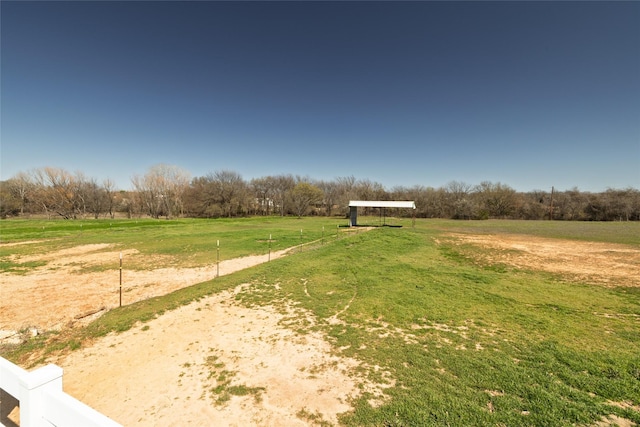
<point x="591" y="262"/>
<point x="51" y="296"/>
<point x="214" y="362"/>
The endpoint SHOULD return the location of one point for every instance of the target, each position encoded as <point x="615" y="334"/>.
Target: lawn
<point x="187" y="242"/>
<point x="465" y="343"/>
<point x="469" y="344"/>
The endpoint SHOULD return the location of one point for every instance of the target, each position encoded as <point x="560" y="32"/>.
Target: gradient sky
<point x="529" y="94"/>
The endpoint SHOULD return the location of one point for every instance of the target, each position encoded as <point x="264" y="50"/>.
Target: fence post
<point x="120" y="279"/>
<point x="32" y="386"/>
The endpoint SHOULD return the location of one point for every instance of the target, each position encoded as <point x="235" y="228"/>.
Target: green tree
<point x="303" y="196"/>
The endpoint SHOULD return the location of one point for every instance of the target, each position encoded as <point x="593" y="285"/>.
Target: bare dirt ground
<point x="167" y="374"/>
<point x="216" y="362"/>
<point x="55" y="294"/>
<point x="590" y="262"/>
<point x="213" y="362"/>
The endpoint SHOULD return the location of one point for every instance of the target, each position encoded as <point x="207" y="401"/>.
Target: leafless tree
<point x="283" y="185"/>
<point x="96" y="197"/>
<point x="109" y="190"/>
<point x="56" y="191"/>
<point x="497" y="200"/>
<point x="9" y="202"/>
<point x="263" y="189"/>
<point x="161" y="189"/>
<point x="330" y="194"/>
<point x="166" y="191"/>
<point x="229" y="191"/>
<point x="456" y="201"/>
<point x="21" y="186"/>
<point x="346" y="190"/>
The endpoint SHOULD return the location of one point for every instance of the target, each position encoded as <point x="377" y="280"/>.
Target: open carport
<point x="381" y="204"/>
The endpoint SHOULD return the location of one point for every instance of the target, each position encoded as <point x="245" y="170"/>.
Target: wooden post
<point x="218" y="259"/>
<point x="269" y="259"/>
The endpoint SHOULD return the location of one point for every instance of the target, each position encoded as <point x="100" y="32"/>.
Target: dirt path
<point x="55" y="294"/>
<point x="212" y="362"/>
<point x="167" y="371"/>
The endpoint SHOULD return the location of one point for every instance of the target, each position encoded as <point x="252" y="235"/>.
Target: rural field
<point x="302" y="322"/>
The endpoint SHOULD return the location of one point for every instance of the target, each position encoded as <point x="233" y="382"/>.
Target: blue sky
<point x="529" y="94"/>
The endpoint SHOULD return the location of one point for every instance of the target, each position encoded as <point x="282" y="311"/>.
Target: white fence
<point x="42" y="401"/>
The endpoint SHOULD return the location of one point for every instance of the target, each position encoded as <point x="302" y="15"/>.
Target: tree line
<point x="167" y="191"/>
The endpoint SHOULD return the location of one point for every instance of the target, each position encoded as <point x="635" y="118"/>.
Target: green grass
<point x="184" y="243"/>
<point x="466" y="344"/>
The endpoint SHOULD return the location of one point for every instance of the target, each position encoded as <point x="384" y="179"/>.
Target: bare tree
<point x="331" y="194"/>
<point x="497" y="199"/>
<point x="161" y="190"/>
<point x="9" y="202"/>
<point x="263" y="189"/>
<point x="457" y="203"/>
<point x="369" y="190"/>
<point x="196" y="202"/>
<point x="21" y="186"/>
<point x="283" y="185"/>
<point x="109" y="190"/>
<point x="96" y="198"/>
<point x="166" y="191"/>
<point x="229" y="191"/>
<point x="55" y="191"/>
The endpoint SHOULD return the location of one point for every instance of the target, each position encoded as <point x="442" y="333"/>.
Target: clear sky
<point x="529" y="94"/>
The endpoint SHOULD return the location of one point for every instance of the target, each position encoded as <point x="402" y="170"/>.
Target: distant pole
<point x="269" y="259"/>
<point x="301" y="239"/>
<point x="120" y="279"/>
<point x="323" y="234"/>
<point x="218" y="259"/>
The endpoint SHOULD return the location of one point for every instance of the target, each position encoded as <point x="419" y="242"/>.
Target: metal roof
<point x="382" y="204"/>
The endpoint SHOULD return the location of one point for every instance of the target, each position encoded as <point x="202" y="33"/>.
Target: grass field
<point x="465" y="343"/>
<point x="187" y="242"/>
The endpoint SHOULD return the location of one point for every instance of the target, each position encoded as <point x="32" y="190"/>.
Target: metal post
<point x="120" y="279"/>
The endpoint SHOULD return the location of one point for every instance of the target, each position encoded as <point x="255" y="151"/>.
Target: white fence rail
<point x="42" y="401"/>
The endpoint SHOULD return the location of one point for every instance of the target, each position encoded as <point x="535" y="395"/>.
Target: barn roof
<point x="382" y="204"/>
